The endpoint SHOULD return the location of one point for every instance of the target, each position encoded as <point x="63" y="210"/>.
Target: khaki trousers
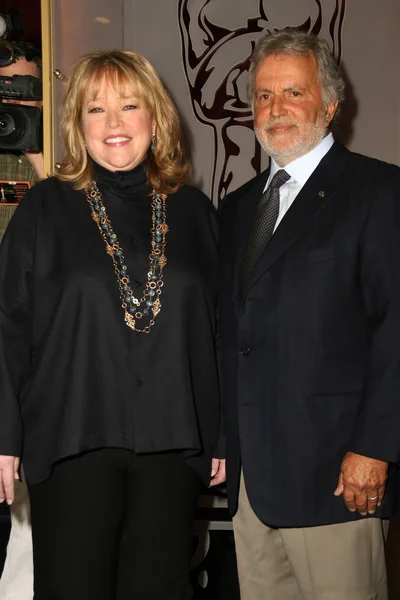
<point x="345" y="561"/>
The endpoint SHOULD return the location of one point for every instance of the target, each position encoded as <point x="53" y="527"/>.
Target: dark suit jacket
<point x="311" y="352"/>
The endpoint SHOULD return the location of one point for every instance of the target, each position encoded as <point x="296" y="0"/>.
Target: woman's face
<point x="117" y="129"/>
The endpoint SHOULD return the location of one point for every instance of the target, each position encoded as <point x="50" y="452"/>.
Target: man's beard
<point x="297" y="144"/>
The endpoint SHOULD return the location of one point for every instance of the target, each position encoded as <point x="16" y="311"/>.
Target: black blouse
<point x="73" y="376"/>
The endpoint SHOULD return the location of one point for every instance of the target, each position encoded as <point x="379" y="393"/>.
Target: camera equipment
<point x="11" y="21"/>
<point x="6" y="53"/>
<point x="20" y="87"/>
<point x="20" y="127"/>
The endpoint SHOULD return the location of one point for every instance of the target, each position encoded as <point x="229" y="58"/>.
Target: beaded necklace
<point x="149" y="305"/>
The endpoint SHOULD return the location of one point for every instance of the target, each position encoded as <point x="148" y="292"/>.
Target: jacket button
<point x="244" y="351"/>
<point x="139" y="382"/>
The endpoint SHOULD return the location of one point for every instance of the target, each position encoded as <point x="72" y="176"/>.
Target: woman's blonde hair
<point x="166" y="166"/>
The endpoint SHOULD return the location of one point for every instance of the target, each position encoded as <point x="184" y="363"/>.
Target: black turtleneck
<point x="127" y="198"/>
<point x="80" y="378"/>
<point x="121" y="183"/>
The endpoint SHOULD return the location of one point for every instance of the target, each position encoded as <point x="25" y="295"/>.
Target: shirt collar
<point x="301" y="168"/>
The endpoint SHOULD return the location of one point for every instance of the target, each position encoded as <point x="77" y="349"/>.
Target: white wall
<point x="372" y="62"/>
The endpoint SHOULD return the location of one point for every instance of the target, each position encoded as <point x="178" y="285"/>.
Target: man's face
<point x="290" y="117"/>
<point x="21" y="67"/>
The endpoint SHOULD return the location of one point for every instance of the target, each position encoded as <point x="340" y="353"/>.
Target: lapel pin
<point x="321" y="194"/>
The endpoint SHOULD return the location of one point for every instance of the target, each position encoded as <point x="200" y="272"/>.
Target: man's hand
<point x="37" y="161"/>
<point x="9" y="466"/>
<point x="362" y="482"/>
<point x="218" y="474"/>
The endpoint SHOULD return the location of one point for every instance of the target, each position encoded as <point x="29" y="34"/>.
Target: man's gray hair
<point x="299" y="43"/>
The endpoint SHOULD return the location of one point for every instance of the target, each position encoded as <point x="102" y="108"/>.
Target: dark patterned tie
<point x="263" y="227"/>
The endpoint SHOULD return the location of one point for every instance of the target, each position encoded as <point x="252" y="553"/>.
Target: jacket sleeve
<point x="16" y="270"/>
<point x="377" y="433"/>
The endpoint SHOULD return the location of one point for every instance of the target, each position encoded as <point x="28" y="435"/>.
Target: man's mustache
<point x="272" y="124"/>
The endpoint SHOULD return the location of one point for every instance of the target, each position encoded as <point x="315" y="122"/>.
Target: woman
<point x="108" y="377"/>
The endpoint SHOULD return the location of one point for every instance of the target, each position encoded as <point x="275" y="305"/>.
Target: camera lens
<point x="14" y="124"/>
<point x="19" y="127"/>
<point x="7" y="124"/>
<point x="6" y="53"/>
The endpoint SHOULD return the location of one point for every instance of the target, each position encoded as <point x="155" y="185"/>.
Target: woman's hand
<point x="9" y="466"/>
<point x="218" y="474"/>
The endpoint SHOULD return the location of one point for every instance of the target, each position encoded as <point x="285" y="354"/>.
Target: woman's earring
<point x="153" y="139"/>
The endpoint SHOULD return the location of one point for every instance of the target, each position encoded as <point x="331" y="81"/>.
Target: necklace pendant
<point x="129" y="320"/>
<point x="162" y="261"/>
<point x="156" y="307"/>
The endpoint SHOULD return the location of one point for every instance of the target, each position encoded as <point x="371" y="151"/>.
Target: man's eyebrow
<point x="259" y="90"/>
<point x="290" y="88"/>
<point x="295" y="87"/>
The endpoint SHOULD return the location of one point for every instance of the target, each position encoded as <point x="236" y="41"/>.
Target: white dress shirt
<point x="299" y="170"/>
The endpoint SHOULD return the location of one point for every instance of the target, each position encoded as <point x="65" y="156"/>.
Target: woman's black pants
<point x="113" y="525"/>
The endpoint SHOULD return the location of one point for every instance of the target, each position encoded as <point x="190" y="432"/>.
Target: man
<point x="17" y="578"/>
<point x="310" y="317"/>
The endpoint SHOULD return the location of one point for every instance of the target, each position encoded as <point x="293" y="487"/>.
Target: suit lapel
<point x="319" y="190"/>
